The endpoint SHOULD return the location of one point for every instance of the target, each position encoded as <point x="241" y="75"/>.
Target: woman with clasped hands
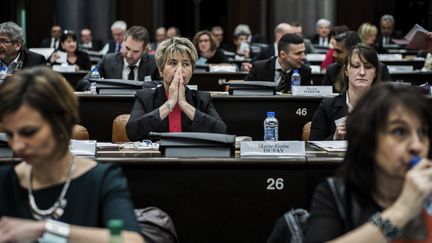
<point x="52" y="195"/>
<point x="359" y="73"/>
<point x="173" y="107"/>
<point x="381" y="196"/>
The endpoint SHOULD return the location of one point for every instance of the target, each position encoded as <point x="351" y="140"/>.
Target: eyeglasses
<point x="5" y="41"/>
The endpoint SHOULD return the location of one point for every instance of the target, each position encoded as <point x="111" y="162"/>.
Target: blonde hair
<point x="172" y="46"/>
<point x="365" y="30"/>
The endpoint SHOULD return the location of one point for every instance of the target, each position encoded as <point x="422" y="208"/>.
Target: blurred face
<point x="171" y="32"/>
<point x="160" y="35"/>
<point x="85" y="36"/>
<point x="132" y="50"/>
<point x="173" y="63"/>
<point x="204" y="43"/>
<point x="360" y="73"/>
<point x="69" y="45"/>
<point x="340" y="52"/>
<point x="370" y="39"/>
<point x="218" y="34"/>
<point x="324" y="30"/>
<point x="386" y="28"/>
<point x="240" y="39"/>
<point x="8" y="49"/>
<point x="30" y="135"/>
<point x="117" y="35"/>
<point x="404" y="136"/>
<point x="297" y="30"/>
<point x="56" y="32"/>
<point x="295" y="56"/>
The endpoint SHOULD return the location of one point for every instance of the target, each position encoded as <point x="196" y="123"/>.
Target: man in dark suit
<point x="54" y="41"/>
<point x="87" y="42"/>
<point x="343" y="43"/>
<point x="13" y="56"/>
<point x="291" y="55"/>
<point x="118" y="29"/>
<point x="322" y="36"/>
<point x="271" y="50"/>
<point x="387" y="33"/>
<point x="133" y="63"/>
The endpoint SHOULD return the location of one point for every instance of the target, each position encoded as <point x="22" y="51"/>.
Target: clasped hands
<point x="176" y="91"/>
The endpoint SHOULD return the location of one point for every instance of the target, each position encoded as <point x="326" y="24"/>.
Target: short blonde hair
<point x="175" y="45"/>
<point x="365" y="30"/>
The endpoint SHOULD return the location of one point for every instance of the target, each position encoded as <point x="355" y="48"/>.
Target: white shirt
<point x="323" y="41"/>
<point x="126" y="69"/>
<point x="54" y="43"/>
<point x="278" y="77"/>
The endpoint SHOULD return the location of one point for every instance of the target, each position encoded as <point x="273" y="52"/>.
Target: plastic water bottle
<point x="271" y="127"/>
<point x="428" y="202"/>
<point x="3" y="73"/>
<point x="94" y="75"/>
<point x="115" y="227"/>
<point x="295" y="78"/>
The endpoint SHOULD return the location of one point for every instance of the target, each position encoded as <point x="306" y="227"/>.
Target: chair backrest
<point x="306" y="131"/>
<point x="119" y="129"/>
<point x="80" y="133"/>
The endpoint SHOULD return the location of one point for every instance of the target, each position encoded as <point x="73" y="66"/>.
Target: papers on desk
<point x="331" y="146"/>
<point x="416" y="39"/>
<point x="62" y="57"/>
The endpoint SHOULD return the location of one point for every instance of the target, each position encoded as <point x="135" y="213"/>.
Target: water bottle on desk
<point x="295" y="78"/>
<point x="271" y="127"/>
<point x="94" y="75"/>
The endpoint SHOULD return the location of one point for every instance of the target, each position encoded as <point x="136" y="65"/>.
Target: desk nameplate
<point x="312" y="90"/>
<point x="272" y="148"/>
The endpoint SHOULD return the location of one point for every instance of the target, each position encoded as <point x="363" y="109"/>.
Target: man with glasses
<point x="13" y="55"/>
<point x="343" y="44"/>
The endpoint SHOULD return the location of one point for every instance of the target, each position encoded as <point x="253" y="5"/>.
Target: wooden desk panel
<point x="243" y="115"/>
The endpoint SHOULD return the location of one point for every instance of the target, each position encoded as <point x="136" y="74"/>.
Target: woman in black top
<point x="69" y="44"/>
<point x="379" y="196"/>
<point x="208" y="49"/>
<point x="52" y="189"/>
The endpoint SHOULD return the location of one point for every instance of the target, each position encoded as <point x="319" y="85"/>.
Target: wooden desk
<point x="244" y="115"/>
<point x="223" y="200"/>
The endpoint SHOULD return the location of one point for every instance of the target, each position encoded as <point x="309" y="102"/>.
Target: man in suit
<point x="387" y="33"/>
<point x="87" y="42"/>
<point x="118" y="29"/>
<point x="322" y="36"/>
<point x="160" y="35"/>
<point x="271" y="50"/>
<point x="54" y="41"/>
<point x="132" y="63"/>
<point x="13" y="55"/>
<point x="291" y="55"/>
<point x="343" y="44"/>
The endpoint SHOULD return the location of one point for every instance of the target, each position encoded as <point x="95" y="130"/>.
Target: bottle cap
<point x="115" y="226"/>
<point x="271" y="113"/>
<point x="413" y="161"/>
<point x="295" y="70"/>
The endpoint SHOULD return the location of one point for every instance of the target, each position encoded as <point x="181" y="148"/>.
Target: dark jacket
<point x="111" y="67"/>
<point x="31" y="59"/>
<point x="218" y="57"/>
<point x="323" y="124"/>
<point x="82" y="60"/>
<point x="265" y="71"/>
<point x="145" y="114"/>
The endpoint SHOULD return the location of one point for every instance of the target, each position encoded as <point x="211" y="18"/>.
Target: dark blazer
<point x="333" y="71"/>
<point x="97" y="45"/>
<point x="31" y="59"/>
<point x="265" y="71"/>
<point x="46" y="43"/>
<point x="145" y="114"/>
<point x="265" y="53"/>
<point x="323" y="126"/>
<point x="111" y="46"/>
<point x="314" y="39"/>
<point x="111" y="66"/>
<point x="218" y="57"/>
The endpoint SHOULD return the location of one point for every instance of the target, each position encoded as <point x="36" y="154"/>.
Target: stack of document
<point x="331" y="146"/>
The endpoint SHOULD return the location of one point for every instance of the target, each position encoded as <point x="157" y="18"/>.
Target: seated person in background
<point x="160" y="35"/>
<point x="380" y="199"/>
<point x="13" y="55"/>
<point x="343" y="43"/>
<point x="322" y="36"/>
<point x="329" y="58"/>
<point x="68" y="44"/>
<point x="208" y="49"/>
<point x="54" y="41"/>
<point x="240" y="47"/>
<point x="87" y="42"/>
<point x="298" y="29"/>
<point x="360" y="72"/>
<point x="272" y="51"/>
<point x="291" y="55"/>
<point x="218" y="33"/>
<point x="118" y="29"/>
<point x="173" y="31"/>
<point x="428" y="61"/>
<point x="132" y="63"/>
<point x="368" y="33"/>
<point x="79" y="196"/>
<point x="173" y="107"/>
<point x="387" y="33"/>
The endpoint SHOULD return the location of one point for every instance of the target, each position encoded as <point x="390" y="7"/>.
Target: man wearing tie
<point x="291" y="55"/>
<point x="322" y="36"/>
<point x="385" y="38"/>
<point x="132" y="63"/>
<point x="118" y="29"/>
<point x="54" y="41"/>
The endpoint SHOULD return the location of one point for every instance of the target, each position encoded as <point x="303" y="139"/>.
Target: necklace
<point x="57" y="209"/>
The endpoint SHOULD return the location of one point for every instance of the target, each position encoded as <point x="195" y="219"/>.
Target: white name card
<point x="272" y="148"/>
<point x="312" y="90"/>
<point x="83" y="147"/>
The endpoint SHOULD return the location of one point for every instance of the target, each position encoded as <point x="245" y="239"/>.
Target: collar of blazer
<point x="144" y="59"/>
